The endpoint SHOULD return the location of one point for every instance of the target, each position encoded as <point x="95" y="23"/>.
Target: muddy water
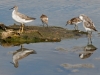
<point x="53" y="58"/>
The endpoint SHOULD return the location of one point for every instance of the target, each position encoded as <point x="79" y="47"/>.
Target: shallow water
<point x="52" y="58"/>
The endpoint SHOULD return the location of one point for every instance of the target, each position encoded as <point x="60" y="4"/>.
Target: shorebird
<point x="74" y="21"/>
<point x="20" y="54"/>
<point x="87" y="23"/>
<point x="44" y="19"/>
<point x="21" y="18"/>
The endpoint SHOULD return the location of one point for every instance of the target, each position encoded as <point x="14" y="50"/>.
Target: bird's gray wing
<point x="25" y="16"/>
<point x="90" y="25"/>
<point x="87" y="19"/>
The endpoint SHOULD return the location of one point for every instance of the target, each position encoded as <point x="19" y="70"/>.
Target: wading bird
<point x="21" y="18"/>
<point x="44" y="19"/>
<point x="74" y="21"/>
<point x="88" y="25"/>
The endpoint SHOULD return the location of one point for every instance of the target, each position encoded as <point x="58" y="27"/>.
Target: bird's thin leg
<point x="90" y="37"/>
<point x="43" y="23"/>
<point x="90" y="40"/>
<point x="91" y="33"/>
<point x="21" y="47"/>
<point x="87" y="34"/>
<point x="77" y="27"/>
<point x="22" y="29"/>
<point x="47" y="25"/>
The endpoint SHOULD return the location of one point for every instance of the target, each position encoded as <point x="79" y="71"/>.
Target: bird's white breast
<point x="18" y="18"/>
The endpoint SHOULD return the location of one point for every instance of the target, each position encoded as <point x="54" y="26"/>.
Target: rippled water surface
<point x="53" y="58"/>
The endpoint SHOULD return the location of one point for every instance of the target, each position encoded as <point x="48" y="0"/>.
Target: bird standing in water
<point x="88" y="25"/>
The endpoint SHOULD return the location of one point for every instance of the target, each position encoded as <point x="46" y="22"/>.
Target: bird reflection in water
<point x="87" y="51"/>
<point x="20" y="54"/>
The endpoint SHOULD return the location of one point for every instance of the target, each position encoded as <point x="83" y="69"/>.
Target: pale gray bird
<point x="87" y="23"/>
<point x="21" y="18"/>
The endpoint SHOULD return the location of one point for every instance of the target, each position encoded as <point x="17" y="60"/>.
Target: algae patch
<point x="41" y="34"/>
